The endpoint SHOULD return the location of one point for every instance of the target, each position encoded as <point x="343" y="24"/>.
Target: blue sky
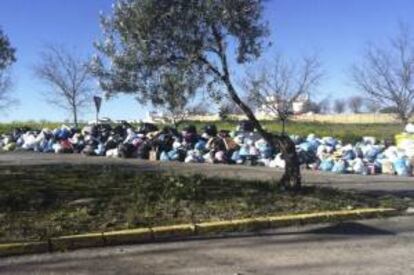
<point x="338" y="30"/>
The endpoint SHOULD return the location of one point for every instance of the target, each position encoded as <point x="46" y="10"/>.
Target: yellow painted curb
<point x="327" y="216"/>
<point x="251" y="224"/>
<point x="76" y="241"/>
<point x="127" y="236"/>
<point x="174" y="231"/>
<point x="144" y="235"/>
<point x="23" y="248"/>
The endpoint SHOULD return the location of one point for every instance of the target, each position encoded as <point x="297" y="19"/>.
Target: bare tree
<point x="339" y="106"/>
<point x="324" y="106"/>
<point x="386" y="74"/>
<point x="199" y="109"/>
<point x="68" y="78"/>
<point x="312" y="107"/>
<point x="7" y="58"/>
<point x="278" y="86"/>
<point x="372" y="106"/>
<point x="355" y="104"/>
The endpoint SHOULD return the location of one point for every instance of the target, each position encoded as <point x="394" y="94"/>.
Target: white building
<point x="272" y="104"/>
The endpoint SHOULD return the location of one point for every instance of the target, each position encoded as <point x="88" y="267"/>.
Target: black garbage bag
<point x="88" y="150"/>
<point x="164" y="142"/>
<point x="218" y="144"/>
<point x="224" y="133"/>
<point x="246" y="126"/>
<point x="146" y="128"/>
<point x="143" y="150"/>
<point x="18" y="132"/>
<point x="111" y="144"/>
<point x="90" y="146"/>
<point x="190" y="129"/>
<point x="127" y="150"/>
<point x="210" y="129"/>
<point x="119" y="131"/>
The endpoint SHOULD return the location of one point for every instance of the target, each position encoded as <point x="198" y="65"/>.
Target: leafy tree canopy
<point x="145" y="40"/>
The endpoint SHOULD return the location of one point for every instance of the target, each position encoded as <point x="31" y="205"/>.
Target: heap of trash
<point x="243" y="146"/>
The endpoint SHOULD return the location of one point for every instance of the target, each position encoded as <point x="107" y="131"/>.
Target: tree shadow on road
<point x="349" y="228"/>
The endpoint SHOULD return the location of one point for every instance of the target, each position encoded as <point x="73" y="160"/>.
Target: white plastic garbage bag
<point x="358" y="166"/>
<point x="369" y="140"/>
<point x="409" y="128"/>
<point x="278" y="162"/>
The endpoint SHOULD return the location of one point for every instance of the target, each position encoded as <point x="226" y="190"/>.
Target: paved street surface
<point x="377" y="247"/>
<point x="380" y="183"/>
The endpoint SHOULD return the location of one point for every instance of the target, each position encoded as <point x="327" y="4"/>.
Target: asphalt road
<point x="403" y="186"/>
<point x="384" y="246"/>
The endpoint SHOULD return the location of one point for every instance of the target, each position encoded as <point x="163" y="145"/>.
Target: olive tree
<point x="146" y="39"/>
<point x="175" y="96"/>
<point x="7" y="58"/>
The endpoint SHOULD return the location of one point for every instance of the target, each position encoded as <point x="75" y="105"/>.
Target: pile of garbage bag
<point x="242" y="146"/>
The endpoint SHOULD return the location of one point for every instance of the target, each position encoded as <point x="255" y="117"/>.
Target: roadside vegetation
<point x="39" y="202"/>
<point x="348" y="133"/>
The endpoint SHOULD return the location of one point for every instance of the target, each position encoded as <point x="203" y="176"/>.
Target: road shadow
<point x="349" y="228"/>
<point x="404" y="193"/>
<point x="179" y="245"/>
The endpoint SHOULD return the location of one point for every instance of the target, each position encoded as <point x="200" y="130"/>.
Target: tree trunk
<point x="75" y="116"/>
<point x="291" y="178"/>
<point x="404" y="119"/>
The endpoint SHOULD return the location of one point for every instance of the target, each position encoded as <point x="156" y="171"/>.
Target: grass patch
<point x="40" y="202"/>
<point x="37" y="125"/>
<point x="349" y="133"/>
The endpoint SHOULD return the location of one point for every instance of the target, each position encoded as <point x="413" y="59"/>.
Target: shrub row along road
<point x="366" y="247"/>
<point x="381" y="184"/>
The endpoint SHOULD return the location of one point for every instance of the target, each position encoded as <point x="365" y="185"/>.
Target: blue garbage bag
<point x="236" y="156"/>
<point x="310" y="145"/>
<point x="359" y="153"/>
<point x="173" y="155"/>
<point x="326" y="165"/>
<point x="372" y="154"/>
<point x="305" y="146"/>
<point x="266" y="152"/>
<point x="49" y="146"/>
<point x="100" y="149"/>
<point x="42" y="146"/>
<point x="402" y="167"/>
<point x="330" y="141"/>
<point x="348" y="155"/>
<point x="200" y="145"/>
<point x="63" y="133"/>
<point x="339" y="167"/>
<point x="306" y="157"/>
<point x="164" y="156"/>
<point x="244" y="151"/>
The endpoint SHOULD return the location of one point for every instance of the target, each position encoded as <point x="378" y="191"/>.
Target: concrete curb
<point x="162" y="233"/>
